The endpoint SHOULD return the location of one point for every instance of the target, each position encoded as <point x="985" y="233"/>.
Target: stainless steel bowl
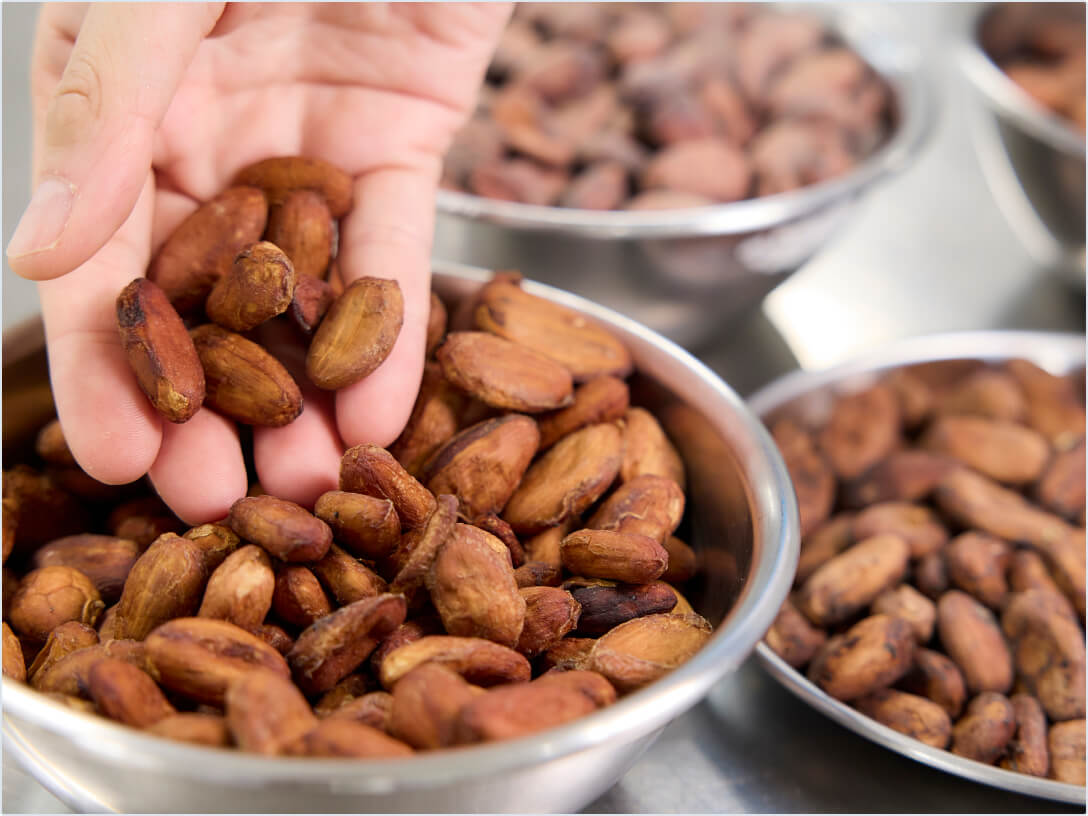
<point x="1033" y="159"/>
<point x="811" y="394"/>
<point x="741" y="517"/>
<point x="687" y="273"/>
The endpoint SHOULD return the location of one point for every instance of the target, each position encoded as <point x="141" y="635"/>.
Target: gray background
<point x="929" y="251"/>
<point x="932" y="234"/>
<point x="20" y="296"/>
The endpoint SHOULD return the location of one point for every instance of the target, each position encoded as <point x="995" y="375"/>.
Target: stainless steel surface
<point x="751" y="746"/>
<point x="686" y="273"/>
<point x="810" y="395"/>
<point x="741" y="516"/>
<point x="1033" y="159"/>
<point x="927" y="251"/>
<point x="92" y="765"/>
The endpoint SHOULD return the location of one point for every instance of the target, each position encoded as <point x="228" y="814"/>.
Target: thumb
<point x="94" y="133"/>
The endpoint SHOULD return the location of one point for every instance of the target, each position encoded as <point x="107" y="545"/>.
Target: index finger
<point x="110" y="426"/>
<point x="389" y="235"/>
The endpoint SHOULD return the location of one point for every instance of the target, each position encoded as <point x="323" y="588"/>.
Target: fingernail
<point x="45" y="218"/>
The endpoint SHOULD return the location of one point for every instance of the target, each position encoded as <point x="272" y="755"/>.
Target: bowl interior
<point x="809" y="398"/>
<point x="741" y="518"/>
<point x="1005" y="96"/>
<point x="869" y="32"/>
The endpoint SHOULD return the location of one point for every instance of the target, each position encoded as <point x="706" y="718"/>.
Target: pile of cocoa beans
<point x="608" y="106"/>
<point x="507" y="566"/>
<point x="238" y="269"/>
<point x="941" y="583"/>
<point x="1041" y="47"/>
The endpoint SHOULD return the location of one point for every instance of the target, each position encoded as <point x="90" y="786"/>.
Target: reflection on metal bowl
<point x="1032" y="158"/>
<point x="687" y="273"/>
<point x="741" y="517"/>
<point x="809" y="395"/>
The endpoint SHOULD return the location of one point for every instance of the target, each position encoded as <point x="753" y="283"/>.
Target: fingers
<point x="170" y="210"/>
<point x="388" y="235"/>
<point x="299" y="461"/>
<point x="94" y="132"/>
<point x="113" y="431"/>
<point x="199" y="471"/>
<point x="111" y="428"/>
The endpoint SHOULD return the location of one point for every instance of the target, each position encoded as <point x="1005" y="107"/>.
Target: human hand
<point x="141" y="112"/>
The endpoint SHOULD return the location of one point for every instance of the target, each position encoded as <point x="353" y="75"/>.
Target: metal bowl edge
<point x="881" y="44"/>
<point x="637" y="716"/>
<point x="1054" y="351"/>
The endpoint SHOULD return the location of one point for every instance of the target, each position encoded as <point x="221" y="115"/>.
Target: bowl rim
<point x="776" y="546"/>
<point x="891" y="55"/>
<point x="1053" y="351"/>
<point x="1002" y="93"/>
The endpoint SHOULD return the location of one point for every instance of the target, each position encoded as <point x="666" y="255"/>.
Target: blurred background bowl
<point x="688" y="273"/>
<point x="741" y="519"/>
<point x="809" y="396"/>
<point x="1033" y="159"/>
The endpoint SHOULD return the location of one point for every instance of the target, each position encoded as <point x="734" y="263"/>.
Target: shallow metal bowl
<point x="811" y="395"/>
<point x="687" y="273"/>
<point x="741" y="518"/>
<point x="1032" y="158"/>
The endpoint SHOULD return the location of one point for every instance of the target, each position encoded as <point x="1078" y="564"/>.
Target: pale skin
<point x="143" y="111"/>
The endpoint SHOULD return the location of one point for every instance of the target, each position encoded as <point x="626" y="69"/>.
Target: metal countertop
<point x="929" y="252"/>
